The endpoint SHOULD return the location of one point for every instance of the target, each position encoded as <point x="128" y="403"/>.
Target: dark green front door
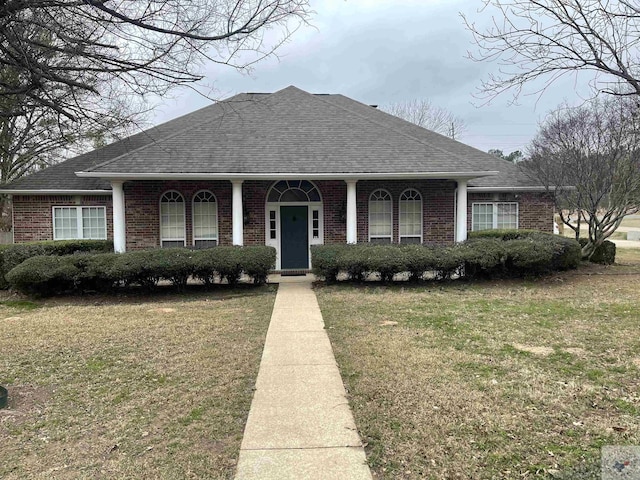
<point x="294" y="237"/>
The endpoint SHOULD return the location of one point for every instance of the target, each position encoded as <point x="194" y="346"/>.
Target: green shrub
<point x="483" y="257"/>
<point x="419" y="259"/>
<point x="228" y="263"/>
<point x="45" y="275"/>
<point x="258" y="262"/>
<point x="605" y="254"/>
<point x="386" y="261"/>
<point x="449" y="261"/>
<point x="534" y="253"/>
<point x="566" y="251"/>
<point x="102" y="272"/>
<point x="528" y="257"/>
<point x="502" y="234"/>
<point x="13" y="255"/>
<point x="173" y="264"/>
<point x="325" y="261"/>
<point x="355" y="261"/>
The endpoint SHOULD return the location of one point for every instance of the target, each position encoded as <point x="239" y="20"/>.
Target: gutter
<point x="286" y="175"/>
<point x="508" y="189"/>
<point x="55" y="192"/>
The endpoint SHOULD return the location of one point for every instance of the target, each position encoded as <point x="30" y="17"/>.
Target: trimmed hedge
<point x="532" y="253"/>
<point x="605" y="254"/>
<point x="502" y="234"/>
<point x="47" y="275"/>
<point x="13" y="255"/>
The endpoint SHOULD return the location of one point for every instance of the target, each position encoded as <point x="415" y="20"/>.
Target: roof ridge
<point x="397" y="130"/>
<point x="227" y="101"/>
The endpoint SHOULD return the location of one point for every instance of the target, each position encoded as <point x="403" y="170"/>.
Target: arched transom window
<point x="205" y="219"/>
<point x="410" y="216"/>
<point x="172" y="230"/>
<point x="380" y="217"/>
<point x="293" y="191"/>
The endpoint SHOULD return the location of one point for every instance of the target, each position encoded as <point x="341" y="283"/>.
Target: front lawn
<point x="502" y="379"/>
<point x="117" y="387"/>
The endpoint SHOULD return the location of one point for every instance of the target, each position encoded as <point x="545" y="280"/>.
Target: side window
<point x="410" y="216"/>
<point x="88" y="223"/>
<point x="380" y="217"/>
<point x="172" y="224"/>
<point x="205" y="219"/>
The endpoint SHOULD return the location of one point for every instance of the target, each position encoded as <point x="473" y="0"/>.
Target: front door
<point x="294" y="237"/>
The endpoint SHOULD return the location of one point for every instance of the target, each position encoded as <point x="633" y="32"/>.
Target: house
<point x="288" y="169"/>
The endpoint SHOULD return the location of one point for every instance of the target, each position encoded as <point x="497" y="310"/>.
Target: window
<point x="380" y="217"/>
<point x="205" y="219"/>
<point x="410" y="213"/>
<point x="315" y="226"/>
<point x="486" y="216"/>
<point x="272" y="224"/>
<point x="172" y="233"/>
<point x="88" y="223"/>
<point x="293" y="191"/>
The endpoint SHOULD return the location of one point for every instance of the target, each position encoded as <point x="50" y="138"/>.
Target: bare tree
<point x="547" y="39"/>
<point x="588" y="158"/>
<point x="513" y="157"/>
<point x="78" y="72"/>
<point x="65" y="50"/>
<point x="425" y="114"/>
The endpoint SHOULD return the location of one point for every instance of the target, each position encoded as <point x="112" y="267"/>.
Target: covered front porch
<point x="289" y="214"/>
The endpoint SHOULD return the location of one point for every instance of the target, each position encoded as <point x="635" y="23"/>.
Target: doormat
<point x="294" y="273"/>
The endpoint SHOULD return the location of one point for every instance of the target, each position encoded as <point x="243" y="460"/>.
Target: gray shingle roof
<point x="290" y="131"/>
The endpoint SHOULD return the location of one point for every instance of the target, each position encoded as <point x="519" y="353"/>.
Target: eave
<point x="49" y="191"/>
<point x="120" y="176"/>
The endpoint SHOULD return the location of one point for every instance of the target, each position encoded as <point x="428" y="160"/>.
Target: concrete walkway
<point x="300" y="425"/>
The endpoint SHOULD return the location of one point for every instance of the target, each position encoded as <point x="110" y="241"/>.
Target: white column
<point x="461" y="211"/>
<point x="237" y="212"/>
<point x="119" y="226"/>
<point x="352" y="212"/>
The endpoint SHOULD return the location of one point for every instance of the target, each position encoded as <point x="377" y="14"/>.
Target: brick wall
<point x="142" y="206"/>
<point x="535" y="209"/>
<point x="33" y="216"/>
<point x="438" y="211"/>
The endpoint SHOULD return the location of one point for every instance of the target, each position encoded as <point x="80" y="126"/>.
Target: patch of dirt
<point x="24" y="400"/>
<point x="13" y="319"/>
<point x="636" y="362"/>
<point x="388" y="323"/>
<point x="162" y="310"/>
<point x="575" y="351"/>
<point x="542" y="351"/>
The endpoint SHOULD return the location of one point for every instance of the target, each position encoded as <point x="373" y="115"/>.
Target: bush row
<point x="533" y="254"/>
<point x="48" y="275"/>
<point x="13" y="255"/>
<point x="605" y="254"/>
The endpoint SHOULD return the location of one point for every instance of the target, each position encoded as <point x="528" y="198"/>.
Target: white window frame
<point x="79" y="221"/>
<point x="193" y="217"/>
<point x="184" y="217"/>
<point x="494" y="219"/>
<point x="275" y="207"/>
<point x="400" y="201"/>
<point x="390" y="237"/>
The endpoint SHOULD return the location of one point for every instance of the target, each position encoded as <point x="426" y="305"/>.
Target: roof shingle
<point x="290" y="131"/>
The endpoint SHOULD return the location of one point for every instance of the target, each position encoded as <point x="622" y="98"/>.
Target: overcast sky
<point x="379" y="52"/>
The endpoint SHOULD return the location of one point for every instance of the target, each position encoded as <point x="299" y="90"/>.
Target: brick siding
<point x="33" y="214"/>
<point x="437" y="207"/>
<point x="535" y="209"/>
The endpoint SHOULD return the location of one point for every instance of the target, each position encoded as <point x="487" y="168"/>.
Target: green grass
<point x="513" y="379"/>
<point x="129" y="387"/>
